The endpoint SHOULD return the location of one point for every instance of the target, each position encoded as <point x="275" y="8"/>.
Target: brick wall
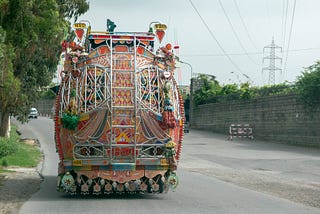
<point x="275" y="118"/>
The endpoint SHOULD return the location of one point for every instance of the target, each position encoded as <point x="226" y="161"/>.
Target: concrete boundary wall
<point x="280" y="118"/>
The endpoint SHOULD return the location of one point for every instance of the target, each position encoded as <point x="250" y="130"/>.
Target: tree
<point x="308" y="85"/>
<point x="72" y="8"/>
<point x="32" y="31"/>
<point x="209" y="88"/>
<point x="10" y="95"/>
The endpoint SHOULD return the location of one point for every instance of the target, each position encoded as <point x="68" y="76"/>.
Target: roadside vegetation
<point x="212" y="92"/>
<point x="17" y="153"/>
<point x="307" y="89"/>
<point x="31" y="33"/>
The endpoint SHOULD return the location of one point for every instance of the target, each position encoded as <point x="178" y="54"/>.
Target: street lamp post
<point x="191" y="92"/>
<point x="189" y="66"/>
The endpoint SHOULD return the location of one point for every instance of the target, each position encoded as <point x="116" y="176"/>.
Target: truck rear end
<point x="119" y="114"/>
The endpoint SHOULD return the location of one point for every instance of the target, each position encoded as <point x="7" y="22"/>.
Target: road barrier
<point x="240" y="131"/>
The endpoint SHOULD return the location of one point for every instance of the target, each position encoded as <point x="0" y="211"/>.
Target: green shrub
<point x="267" y="90"/>
<point x="7" y="147"/>
<point x="246" y="92"/>
<point x="4" y="162"/>
<point x="216" y="93"/>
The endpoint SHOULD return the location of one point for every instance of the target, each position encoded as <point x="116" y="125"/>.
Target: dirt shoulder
<point x="17" y="187"/>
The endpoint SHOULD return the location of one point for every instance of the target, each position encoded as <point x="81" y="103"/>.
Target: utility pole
<point x="272" y="61"/>
<point x="191" y="92"/>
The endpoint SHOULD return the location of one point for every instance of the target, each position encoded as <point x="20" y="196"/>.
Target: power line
<point x="268" y="17"/>
<point x="284" y="31"/>
<point x="290" y="33"/>
<point x="244" y="25"/>
<point x="230" y="54"/>
<point x="234" y="32"/>
<point x="216" y="40"/>
<point x="282" y="19"/>
<point x="251" y="53"/>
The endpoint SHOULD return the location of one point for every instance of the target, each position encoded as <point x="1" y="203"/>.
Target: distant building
<point x="184" y="90"/>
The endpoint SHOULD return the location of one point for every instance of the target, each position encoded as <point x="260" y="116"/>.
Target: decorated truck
<point x="119" y="116"/>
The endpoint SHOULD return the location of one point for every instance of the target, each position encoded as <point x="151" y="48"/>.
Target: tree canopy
<point x="209" y="89"/>
<point x="308" y="85"/>
<point x="31" y="32"/>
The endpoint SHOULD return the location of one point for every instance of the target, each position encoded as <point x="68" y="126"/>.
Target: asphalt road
<point x="209" y="172"/>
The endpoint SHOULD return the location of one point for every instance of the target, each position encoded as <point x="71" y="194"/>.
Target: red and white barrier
<point x="240" y="131"/>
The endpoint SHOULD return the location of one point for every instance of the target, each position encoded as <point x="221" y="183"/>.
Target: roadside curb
<point x="40" y="165"/>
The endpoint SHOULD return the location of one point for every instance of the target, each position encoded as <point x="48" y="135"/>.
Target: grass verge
<point x="24" y="155"/>
<point x="4" y="170"/>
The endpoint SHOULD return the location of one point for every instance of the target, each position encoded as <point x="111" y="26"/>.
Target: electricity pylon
<point x="272" y="61"/>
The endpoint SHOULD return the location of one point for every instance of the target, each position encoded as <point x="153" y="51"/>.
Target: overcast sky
<point x="215" y="40"/>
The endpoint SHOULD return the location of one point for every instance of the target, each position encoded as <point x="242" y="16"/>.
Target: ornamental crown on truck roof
<point x="81" y="27"/>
